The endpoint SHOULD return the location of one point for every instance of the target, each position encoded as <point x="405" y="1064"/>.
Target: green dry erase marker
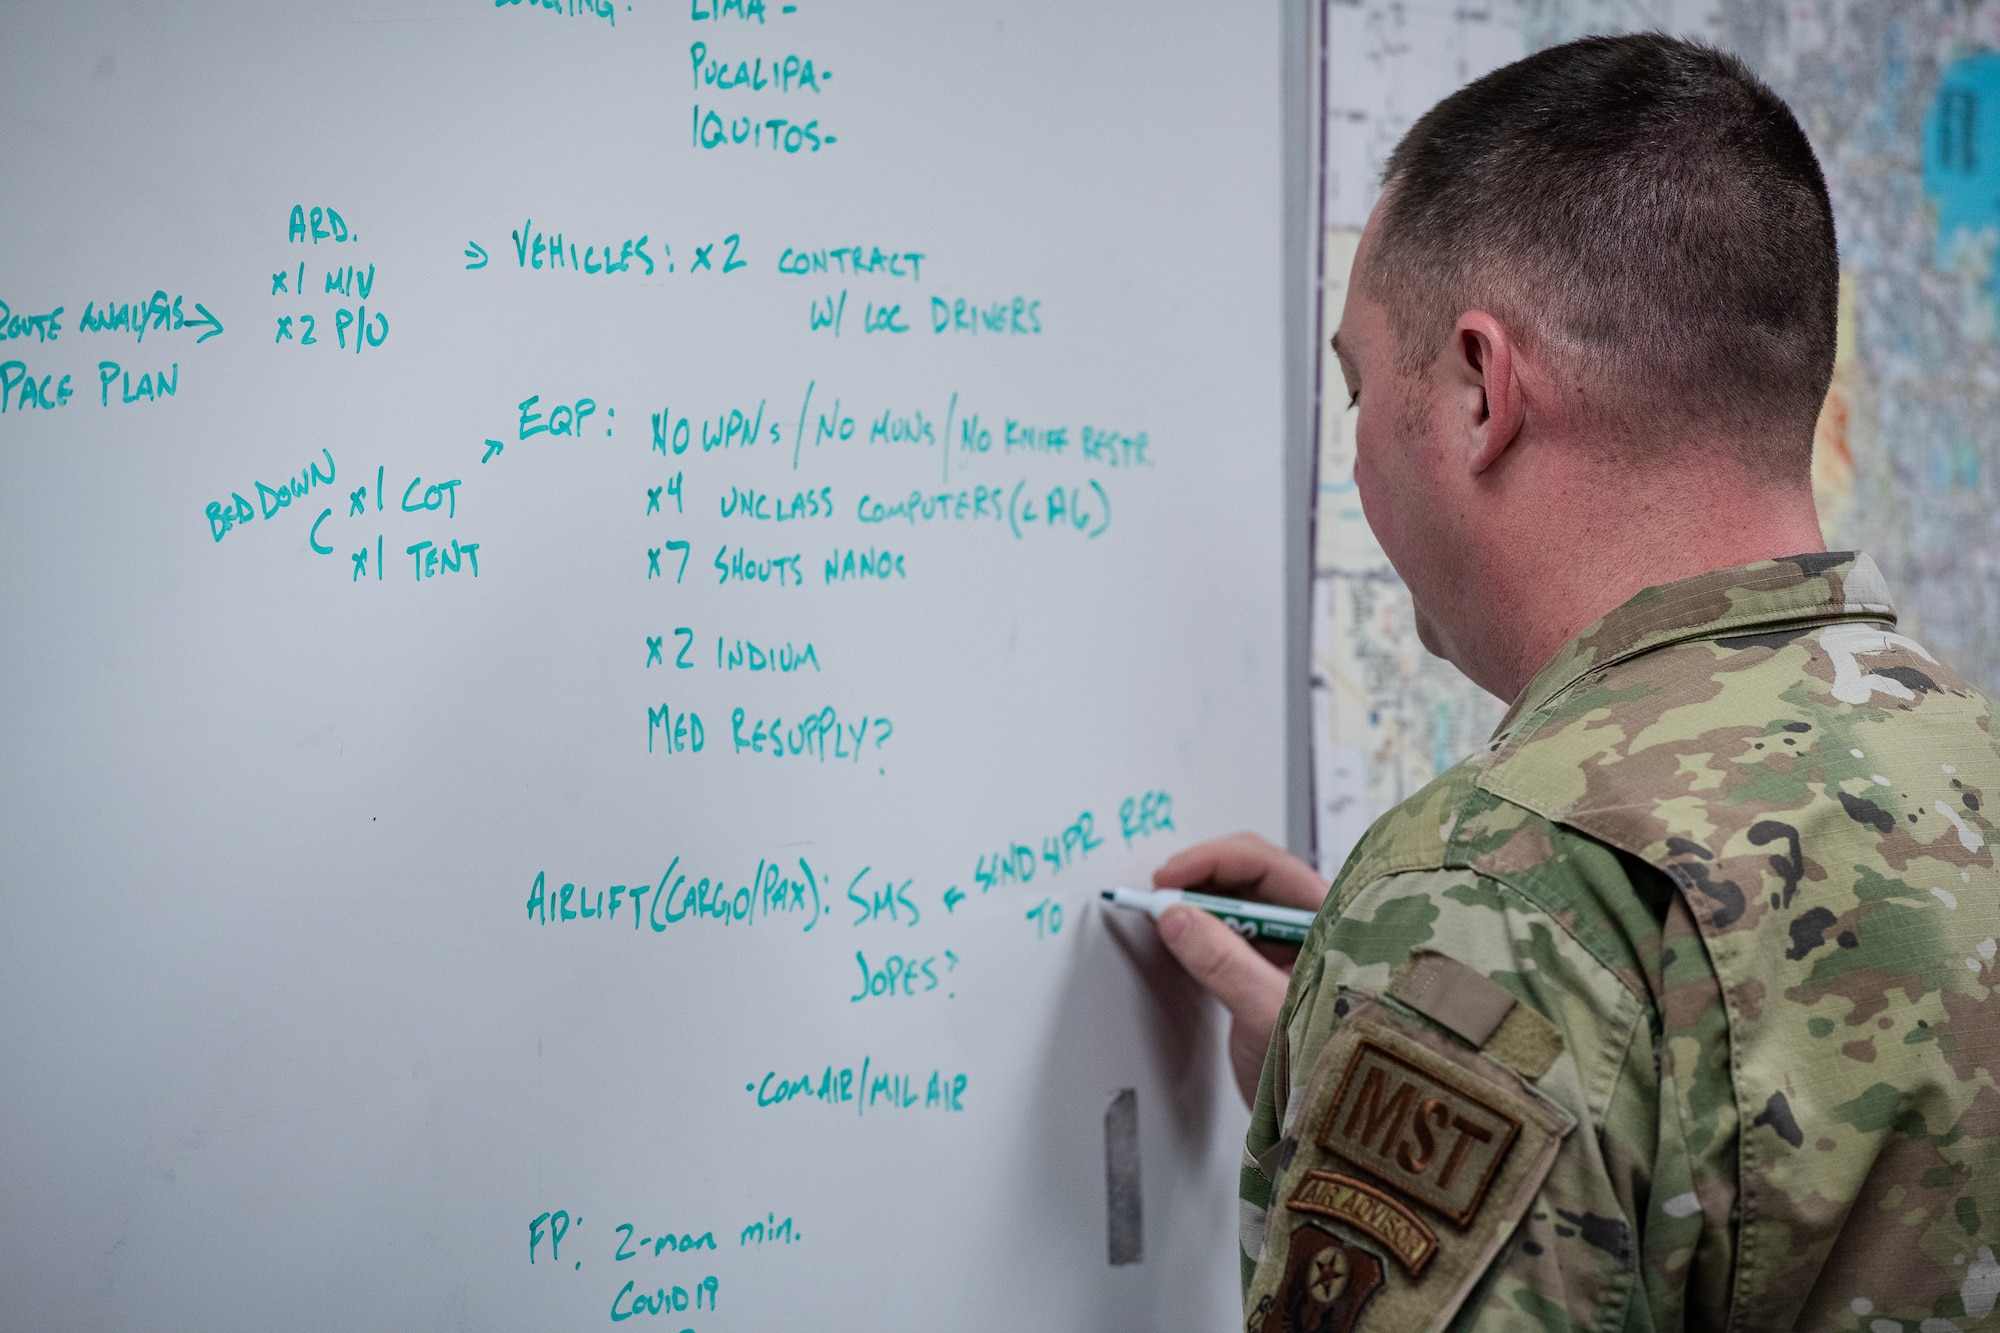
<point x="1251" y="920"/>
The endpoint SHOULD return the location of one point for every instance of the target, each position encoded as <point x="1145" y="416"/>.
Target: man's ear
<point x="1484" y="353"/>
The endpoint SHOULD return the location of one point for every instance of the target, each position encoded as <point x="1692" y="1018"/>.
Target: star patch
<point x="1327" y="1282"/>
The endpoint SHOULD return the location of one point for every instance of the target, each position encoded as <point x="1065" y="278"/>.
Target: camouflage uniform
<point x="1674" y="1008"/>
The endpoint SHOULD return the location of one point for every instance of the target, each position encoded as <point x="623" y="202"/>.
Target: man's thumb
<point x="1249" y="987"/>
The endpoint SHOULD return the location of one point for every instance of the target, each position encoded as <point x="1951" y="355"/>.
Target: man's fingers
<point x="1238" y="859"/>
<point x="1251" y="989"/>
<point x="1249" y="985"/>
<point x="1247" y="865"/>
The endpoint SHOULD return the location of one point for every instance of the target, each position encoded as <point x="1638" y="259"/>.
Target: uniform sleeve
<point x="1606" y="1228"/>
<point x="1691" y="1239"/>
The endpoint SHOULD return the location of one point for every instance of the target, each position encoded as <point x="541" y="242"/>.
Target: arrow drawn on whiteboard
<point x="492" y="447"/>
<point x="207" y="320"/>
<point x="476" y="253"/>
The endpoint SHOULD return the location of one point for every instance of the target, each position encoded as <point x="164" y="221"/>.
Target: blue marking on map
<point x="1962" y="154"/>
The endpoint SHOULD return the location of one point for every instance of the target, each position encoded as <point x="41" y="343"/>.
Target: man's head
<point x="1598" y="279"/>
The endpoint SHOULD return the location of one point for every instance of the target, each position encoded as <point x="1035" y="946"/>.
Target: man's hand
<point x="1249" y="979"/>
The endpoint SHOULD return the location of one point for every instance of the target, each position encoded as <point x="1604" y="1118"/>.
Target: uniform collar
<point x="1791" y="593"/>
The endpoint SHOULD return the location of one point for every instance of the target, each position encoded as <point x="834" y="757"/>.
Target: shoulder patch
<point x="1327" y="1282"/>
<point x="1452" y="995"/>
<point x="1374" y="1211"/>
<point x="1412" y="1123"/>
<point x="1479" y="1009"/>
<point x="1408" y="1149"/>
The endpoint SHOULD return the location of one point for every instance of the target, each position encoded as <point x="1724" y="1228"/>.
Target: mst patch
<point x="1397" y="1125"/>
<point x="1418" y="1129"/>
<point x="1327" y="1281"/>
<point x="1369" y="1210"/>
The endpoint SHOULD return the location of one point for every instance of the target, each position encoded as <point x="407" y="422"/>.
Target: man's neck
<point x="1595" y="554"/>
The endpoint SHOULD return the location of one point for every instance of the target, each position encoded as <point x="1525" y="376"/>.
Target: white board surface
<point x="443" y="936"/>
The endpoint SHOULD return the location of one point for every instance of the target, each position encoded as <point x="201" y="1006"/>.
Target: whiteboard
<point x="591" y="591"/>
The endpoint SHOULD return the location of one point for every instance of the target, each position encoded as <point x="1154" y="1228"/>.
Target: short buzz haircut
<point x="1645" y="212"/>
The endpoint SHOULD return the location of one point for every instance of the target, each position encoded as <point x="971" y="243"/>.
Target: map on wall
<point x="1902" y="103"/>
